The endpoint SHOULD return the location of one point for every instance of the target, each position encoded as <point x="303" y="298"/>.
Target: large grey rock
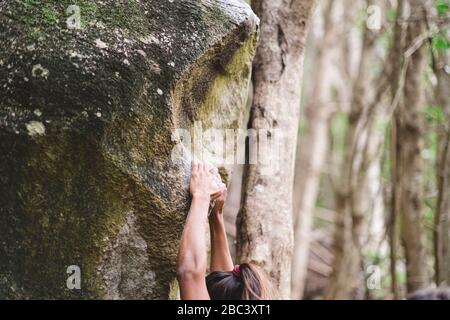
<point x="86" y="120"/>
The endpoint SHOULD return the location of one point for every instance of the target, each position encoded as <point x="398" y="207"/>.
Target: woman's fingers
<point x="221" y="190"/>
<point x="206" y="178"/>
<point x="214" y="170"/>
<point x="207" y="168"/>
<point x="218" y="177"/>
<point x="216" y="195"/>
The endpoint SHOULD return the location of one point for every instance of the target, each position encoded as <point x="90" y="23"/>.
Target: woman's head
<point x="245" y="282"/>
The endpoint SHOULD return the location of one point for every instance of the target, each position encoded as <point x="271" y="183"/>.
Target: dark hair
<point x="247" y="284"/>
<point x="430" y="294"/>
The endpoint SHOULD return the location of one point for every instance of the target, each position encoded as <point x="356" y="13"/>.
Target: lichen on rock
<point x="86" y="122"/>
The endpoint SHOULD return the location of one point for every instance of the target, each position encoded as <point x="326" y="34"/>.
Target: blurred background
<point x="372" y="186"/>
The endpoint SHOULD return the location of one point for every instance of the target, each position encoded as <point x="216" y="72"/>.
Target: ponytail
<point x="255" y="284"/>
<point x="245" y="282"/>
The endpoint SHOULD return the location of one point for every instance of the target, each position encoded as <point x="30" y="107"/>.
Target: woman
<point x="226" y="281"/>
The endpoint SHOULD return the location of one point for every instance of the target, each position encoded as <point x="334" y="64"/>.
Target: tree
<point x="410" y="132"/>
<point x="396" y="79"/>
<point x="313" y="148"/>
<point x="358" y="195"/>
<point x="352" y="197"/>
<point x="441" y="61"/>
<point x="264" y="223"/>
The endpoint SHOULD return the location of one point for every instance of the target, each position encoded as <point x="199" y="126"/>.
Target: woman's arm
<point x="220" y="251"/>
<point x="192" y="258"/>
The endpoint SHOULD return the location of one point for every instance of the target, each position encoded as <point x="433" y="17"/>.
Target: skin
<point x="192" y="256"/>
<point x="220" y="251"/>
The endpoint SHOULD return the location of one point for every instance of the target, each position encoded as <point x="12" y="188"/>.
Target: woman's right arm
<point x="192" y="258"/>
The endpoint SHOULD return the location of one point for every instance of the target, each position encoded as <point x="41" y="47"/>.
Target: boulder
<point x="92" y="203"/>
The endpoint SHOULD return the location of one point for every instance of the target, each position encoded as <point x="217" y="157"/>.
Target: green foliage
<point x="50" y="14"/>
<point x="441" y="43"/>
<point x="434" y="114"/>
<point x="441" y="40"/>
<point x="361" y="20"/>
<point x="429" y="210"/>
<point x="373" y="256"/>
<point x="339" y="125"/>
<point x="386" y="163"/>
<point x="401" y="276"/>
<point x="88" y="11"/>
<point x="392" y="13"/>
<point x="385" y="39"/>
<point x="442" y="6"/>
<point x="429" y="153"/>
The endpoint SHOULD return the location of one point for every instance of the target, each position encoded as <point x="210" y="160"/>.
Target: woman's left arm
<point x="220" y="252"/>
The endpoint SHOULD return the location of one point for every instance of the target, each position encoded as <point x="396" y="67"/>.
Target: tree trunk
<point x="442" y="218"/>
<point x="264" y="223"/>
<point x="313" y="149"/>
<point x="410" y="134"/>
<point x="353" y="197"/>
<point x="396" y="63"/>
<point x="88" y="179"/>
<point x="393" y="222"/>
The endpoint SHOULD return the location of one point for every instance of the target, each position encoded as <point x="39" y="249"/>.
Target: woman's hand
<point x="218" y="206"/>
<point x="204" y="183"/>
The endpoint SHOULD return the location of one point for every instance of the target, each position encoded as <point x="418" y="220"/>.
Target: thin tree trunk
<point x="394" y="209"/>
<point x="313" y="150"/>
<point x="395" y="61"/>
<point x="411" y="143"/>
<point x="351" y="213"/>
<point x="265" y="231"/>
<point x="442" y="217"/>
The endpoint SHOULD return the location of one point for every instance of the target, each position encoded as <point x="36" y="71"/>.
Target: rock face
<point x="87" y="112"/>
